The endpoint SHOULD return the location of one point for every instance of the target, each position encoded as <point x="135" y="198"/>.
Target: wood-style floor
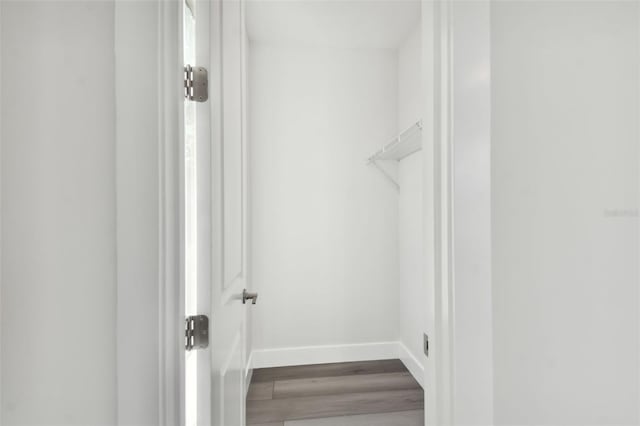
<point x="371" y="393"/>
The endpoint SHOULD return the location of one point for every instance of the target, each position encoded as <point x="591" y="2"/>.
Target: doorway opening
<point x="335" y="211"/>
<point x="305" y="187"/>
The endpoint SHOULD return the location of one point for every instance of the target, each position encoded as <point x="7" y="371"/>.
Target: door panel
<point x="232" y="385"/>
<point x="228" y="192"/>
<point x="215" y="218"/>
<point x="232" y="138"/>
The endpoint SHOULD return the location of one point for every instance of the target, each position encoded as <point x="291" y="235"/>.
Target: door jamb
<point x="437" y="53"/>
<point x="171" y="224"/>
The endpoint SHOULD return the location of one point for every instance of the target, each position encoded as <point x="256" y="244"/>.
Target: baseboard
<point x="248" y="374"/>
<point x="305" y="355"/>
<point x="414" y="366"/>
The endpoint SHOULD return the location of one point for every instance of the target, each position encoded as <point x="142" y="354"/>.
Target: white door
<point x="215" y="213"/>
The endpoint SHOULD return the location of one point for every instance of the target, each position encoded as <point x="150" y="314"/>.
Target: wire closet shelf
<point x="405" y="144"/>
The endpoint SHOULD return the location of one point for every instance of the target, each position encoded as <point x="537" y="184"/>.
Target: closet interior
<point x="335" y="180"/>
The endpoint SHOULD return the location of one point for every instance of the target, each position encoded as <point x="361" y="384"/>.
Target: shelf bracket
<point x="386" y="175"/>
<point x="405" y="144"/>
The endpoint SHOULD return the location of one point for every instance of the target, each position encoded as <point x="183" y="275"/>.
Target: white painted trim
<point x="305" y="355"/>
<point x="429" y="63"/>
<point x="437" y="268"/>
<point x="1" y="146"/>
<point x="638" y="159"/>
<point x="171" y="306"/>
<point x="411" y="362"/>
<point x="445" y="309"/>
<point x="248" y="373"/>
<point x="148" y="260"/>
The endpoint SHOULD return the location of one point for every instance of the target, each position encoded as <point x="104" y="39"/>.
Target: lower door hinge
<point x="196" y="332"/>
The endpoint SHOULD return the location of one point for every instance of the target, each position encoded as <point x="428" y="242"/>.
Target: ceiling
<point x="332" y="23"/>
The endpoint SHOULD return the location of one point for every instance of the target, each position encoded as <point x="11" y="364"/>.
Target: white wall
<point x="472" y="336"/>
<point x="58" y="213"/>
<point x="410" y="82"/>
<point x="324" y="225"/>
<point x="565" y="108"/>
<point x="412" y="291"/>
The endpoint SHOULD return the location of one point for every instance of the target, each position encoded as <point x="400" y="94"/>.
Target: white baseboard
<point x="414" y="366"/>
<point x="248" y="374"/>
<point x="305" y="355"/>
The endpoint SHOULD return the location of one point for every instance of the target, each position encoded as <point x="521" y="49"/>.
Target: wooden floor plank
<point x="260" y="391"/>
<point x="328" y="370"/>
<point x="403" y="418"/>
<point x="343" y="384"/>
<point x="334" y="405"/>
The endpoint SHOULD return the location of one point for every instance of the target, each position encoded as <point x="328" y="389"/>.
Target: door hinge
<point x="196" y="83"/>
<point x="196" y="332"/>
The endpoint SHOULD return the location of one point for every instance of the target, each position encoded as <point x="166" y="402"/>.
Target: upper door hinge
<point x="196" y="83"/>
<point x="196" y="332"/>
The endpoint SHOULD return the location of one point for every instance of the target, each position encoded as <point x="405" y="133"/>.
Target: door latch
<point x="196" y="332"/>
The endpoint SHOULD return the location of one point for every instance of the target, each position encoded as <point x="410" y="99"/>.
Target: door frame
<point x="437" y="54"/>
<point x="438" y="265"/>
<point x="446" y="301"/>
<point x="148" y="224"/>
<point x="171" y="231"/>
